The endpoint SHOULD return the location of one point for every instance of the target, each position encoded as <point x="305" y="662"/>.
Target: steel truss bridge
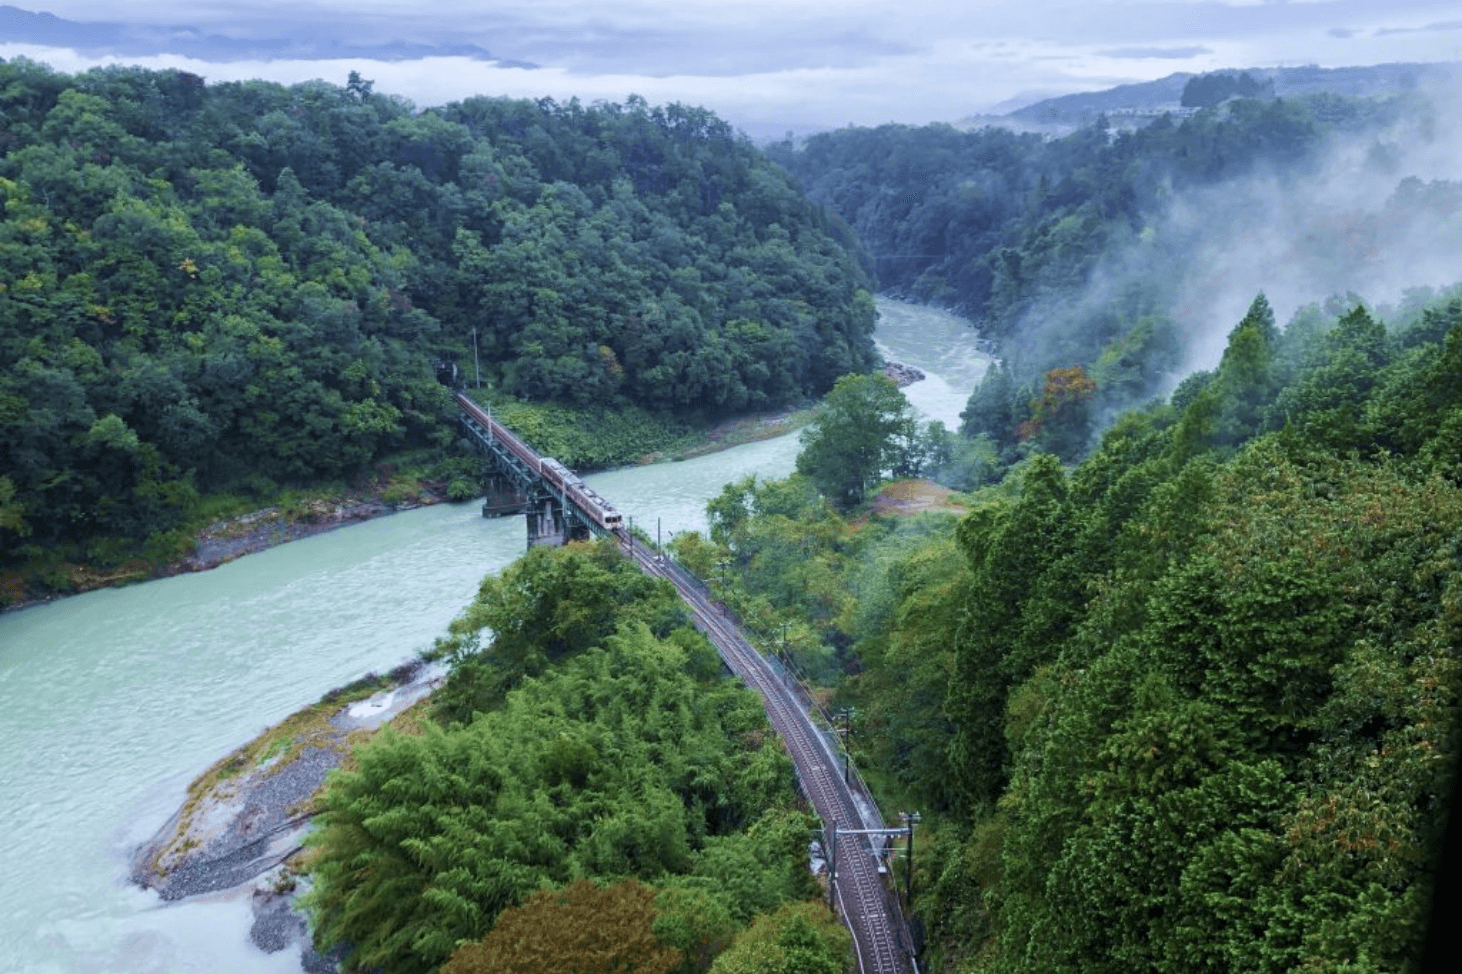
<point x="517" y="483"/>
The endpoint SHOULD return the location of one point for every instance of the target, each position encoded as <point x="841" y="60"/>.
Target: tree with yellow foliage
<point x="579" y="928"/>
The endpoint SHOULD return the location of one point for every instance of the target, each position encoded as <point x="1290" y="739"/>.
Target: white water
<point x="942" y="345"/>
<point x="115" y="700"/>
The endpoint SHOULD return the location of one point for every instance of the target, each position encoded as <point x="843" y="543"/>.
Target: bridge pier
<point x="546" y="522"/>
<point x="549" y="523"/>
<point x="502" y="496"/>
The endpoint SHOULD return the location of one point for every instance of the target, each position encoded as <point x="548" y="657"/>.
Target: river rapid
<point x="113" y="701"/>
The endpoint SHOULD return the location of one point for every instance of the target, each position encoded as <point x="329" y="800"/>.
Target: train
<point x="570" y="486"/>
<point x="573" y="488"/>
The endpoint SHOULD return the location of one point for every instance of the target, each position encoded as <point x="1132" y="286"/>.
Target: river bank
<point x="381" y="492"/>
<point x="243" y="823"/>
<point x="215" y="544"/>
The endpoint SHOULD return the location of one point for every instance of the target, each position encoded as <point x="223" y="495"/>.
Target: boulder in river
<point x="904" y="375"/>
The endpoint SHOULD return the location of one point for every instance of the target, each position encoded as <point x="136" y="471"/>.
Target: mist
<point x="1365" y="225"/>
<point x="1373" y="218"/>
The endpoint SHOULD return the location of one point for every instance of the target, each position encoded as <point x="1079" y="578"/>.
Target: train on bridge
<point x="569" y="484"/>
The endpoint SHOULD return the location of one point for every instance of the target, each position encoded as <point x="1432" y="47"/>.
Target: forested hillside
<point x="245" y="284"/>
<point x="1189" y="706"/>
<point x="1112" y="256"/>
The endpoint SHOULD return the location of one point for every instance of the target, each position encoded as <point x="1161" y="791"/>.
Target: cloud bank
<point x="773" y="65"/>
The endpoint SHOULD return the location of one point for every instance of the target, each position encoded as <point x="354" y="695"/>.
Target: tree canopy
<point x="864" y="429"/>
<point x="571" y="752"/>
<point x="237" y="285"/>
<point x="1190" y="704"/>
<point x="579" y="928"/>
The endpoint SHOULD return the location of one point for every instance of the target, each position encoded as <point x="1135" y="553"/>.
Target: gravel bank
<point x="246" y="818"/>
<point x="227" y="540"/>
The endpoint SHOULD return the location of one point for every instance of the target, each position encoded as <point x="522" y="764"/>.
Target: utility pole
<point x="910" y="820"/>
<point x="475" y="363"/>
<point x="847" y="716"/>
<point x="832" y="865"/>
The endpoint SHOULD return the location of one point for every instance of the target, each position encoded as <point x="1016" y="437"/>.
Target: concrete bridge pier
<point x="549" y="522"/>
<point x="546" y="521"/>
<point x="502" y="496"/>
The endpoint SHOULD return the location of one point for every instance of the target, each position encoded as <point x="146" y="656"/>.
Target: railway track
<point x="861" y="898"/>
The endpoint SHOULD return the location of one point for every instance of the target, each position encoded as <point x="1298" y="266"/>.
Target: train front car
<point x="600" y="509"/>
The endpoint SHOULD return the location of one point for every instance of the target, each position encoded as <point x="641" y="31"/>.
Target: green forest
<point x="244" y="285"/>
<point x="1173" y="678"/>
<point x="591" y="792"/>
<point x="1189" y="705"/>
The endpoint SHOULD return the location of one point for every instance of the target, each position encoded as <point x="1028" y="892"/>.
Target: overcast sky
<point x="773" y="65"/>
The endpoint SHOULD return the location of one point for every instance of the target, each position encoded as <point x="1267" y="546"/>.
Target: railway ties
<point x="861" y="898"/>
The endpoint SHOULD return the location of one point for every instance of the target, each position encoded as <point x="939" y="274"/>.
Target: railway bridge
<point x="854" y="831"/>
<point x="559" y="505"/>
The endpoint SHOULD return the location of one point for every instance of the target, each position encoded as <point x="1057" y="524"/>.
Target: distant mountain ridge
<point x="135" y="40"/>
<point x="1166" y="93"/>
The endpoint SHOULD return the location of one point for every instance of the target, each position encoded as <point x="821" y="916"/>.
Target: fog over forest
<point x="1364" y="222"/>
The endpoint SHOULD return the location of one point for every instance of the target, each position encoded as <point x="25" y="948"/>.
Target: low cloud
<point x="772" y="65"/>
<point x="1429" y="28"/>
<point x="944" y="84"/>
<point x="1165" y="53"/>
<point x="1378" y="216"/>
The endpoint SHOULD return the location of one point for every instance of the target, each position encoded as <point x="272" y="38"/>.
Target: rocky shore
<point x="223" y="541"/>
<point x="226" y="540"/>
<point x="244" y="820"/>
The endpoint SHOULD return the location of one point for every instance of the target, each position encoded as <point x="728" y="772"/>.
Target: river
<point x="115" y="700"/>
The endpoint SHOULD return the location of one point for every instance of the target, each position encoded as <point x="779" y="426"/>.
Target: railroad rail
<point x="862" y="900"/>
<point x="866" y="907"/>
